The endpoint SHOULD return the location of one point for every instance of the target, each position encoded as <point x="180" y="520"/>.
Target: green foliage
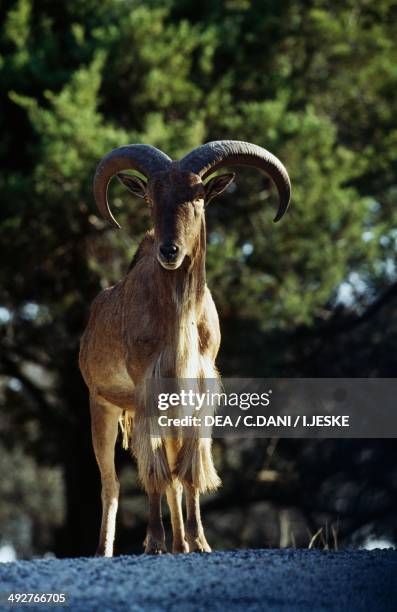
<point x="132" y="72"/>
<point x="313" y="81"/>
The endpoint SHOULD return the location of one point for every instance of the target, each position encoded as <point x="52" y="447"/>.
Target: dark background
<point x="315" y="295"/>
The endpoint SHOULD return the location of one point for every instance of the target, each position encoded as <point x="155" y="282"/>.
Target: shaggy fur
<point x="154" y="324"/>
<point x="160" y="322"/>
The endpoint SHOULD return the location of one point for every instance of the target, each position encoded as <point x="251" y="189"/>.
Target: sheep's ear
<point x="134" y="184"/>
<point x="217" y="185"/>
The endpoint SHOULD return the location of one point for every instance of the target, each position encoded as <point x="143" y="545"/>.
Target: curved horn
<point x="209" y="157"/>
<point x="144" y="158"/>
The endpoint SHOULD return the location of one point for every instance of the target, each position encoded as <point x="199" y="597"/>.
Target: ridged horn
<point x="144" y="158"/>
<point x="207" y="158"/>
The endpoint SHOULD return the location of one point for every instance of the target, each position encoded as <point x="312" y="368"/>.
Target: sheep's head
<point x="177" y="200"/>
<point x="175" y="191"/>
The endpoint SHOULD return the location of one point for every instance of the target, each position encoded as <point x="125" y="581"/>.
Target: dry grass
<point x="326" y="537"/>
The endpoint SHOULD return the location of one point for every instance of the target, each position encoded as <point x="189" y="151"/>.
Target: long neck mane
<point x="182" y="290"/>
<point x="180" y="300"/>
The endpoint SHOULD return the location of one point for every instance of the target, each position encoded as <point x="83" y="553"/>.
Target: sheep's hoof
<point x="180" y="547"/>
<point x="102" y="552"/>
<point x="154" y="546"/>
<point x="199" y="544"/>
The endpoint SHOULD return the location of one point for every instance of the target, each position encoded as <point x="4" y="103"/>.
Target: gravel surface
<point x="296" y="580"/>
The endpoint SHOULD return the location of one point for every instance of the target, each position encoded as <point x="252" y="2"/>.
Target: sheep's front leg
<point x="194" y="527"/>
<point x="104" y="427"/>
<point x="174" y="498"/>
<point x="196" y="470"/>
<point x="155" y="476"/>
<point x="155" y="537"/>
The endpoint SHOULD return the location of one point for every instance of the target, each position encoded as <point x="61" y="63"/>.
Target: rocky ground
<point x="293" y="580"/>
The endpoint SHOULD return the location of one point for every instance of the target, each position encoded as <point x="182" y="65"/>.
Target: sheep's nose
<point x="169" y="251"/>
